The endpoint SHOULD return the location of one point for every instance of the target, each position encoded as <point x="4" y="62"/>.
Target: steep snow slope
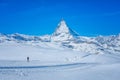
<point x="63" y="33"/>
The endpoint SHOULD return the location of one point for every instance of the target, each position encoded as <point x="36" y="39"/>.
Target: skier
<point x="27" y="59"/>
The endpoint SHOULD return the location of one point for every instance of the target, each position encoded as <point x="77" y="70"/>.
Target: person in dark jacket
<point x="28" y="59"/>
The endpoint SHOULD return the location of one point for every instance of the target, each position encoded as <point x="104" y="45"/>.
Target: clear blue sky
<point x="39" y="17"/>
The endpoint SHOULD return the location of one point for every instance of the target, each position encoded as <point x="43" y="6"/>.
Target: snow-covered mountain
<point x="63" y="33"/>
<point x="67" y="38"/>
<point x="63" y="55"/>
<point x="23" y="38"/>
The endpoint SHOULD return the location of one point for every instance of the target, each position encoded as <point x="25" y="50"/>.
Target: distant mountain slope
<point x="63" y="33"/>
<point x="67" y="38"/>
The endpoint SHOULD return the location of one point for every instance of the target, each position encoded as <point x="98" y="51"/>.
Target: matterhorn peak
<point x="62" y="27"/>
<point x="63" y="32"/>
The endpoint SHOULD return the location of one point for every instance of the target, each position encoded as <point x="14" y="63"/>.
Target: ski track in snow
<point x="60" y="66"/>
<point x="73" y="71"/>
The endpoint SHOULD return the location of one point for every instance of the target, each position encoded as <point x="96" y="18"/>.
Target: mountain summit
<point x="63" y="32"/>
<point x="66" y="37"/>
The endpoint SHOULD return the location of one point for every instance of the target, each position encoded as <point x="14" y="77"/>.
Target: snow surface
<point x="49" y="63"/>
<point x="63" y="33"/>
<point x="64" y="55"/>
<point x="66" y="37"/>
<point x="72" y="72"/>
